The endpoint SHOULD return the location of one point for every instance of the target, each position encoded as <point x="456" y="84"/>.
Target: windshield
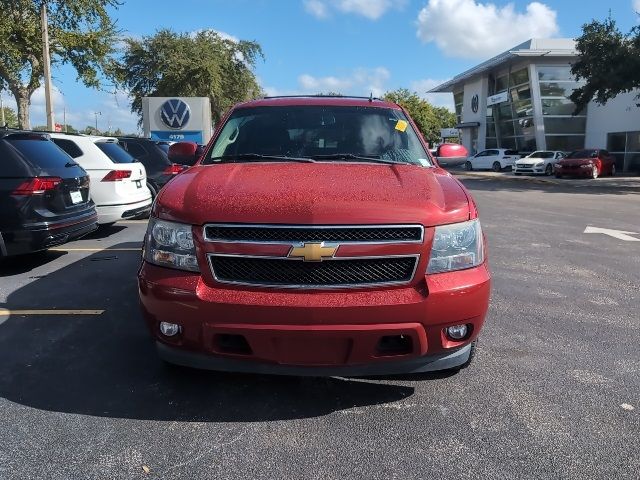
<point x="541" y="155"/>
<point x="115" y="152"/>
<point x="583" y="154"/>
<point x="318" y="133"/>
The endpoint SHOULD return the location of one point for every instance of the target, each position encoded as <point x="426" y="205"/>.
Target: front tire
<point x="548" y="171"/>
<point x="496" y="167"/>
<point x="468" y="166"/>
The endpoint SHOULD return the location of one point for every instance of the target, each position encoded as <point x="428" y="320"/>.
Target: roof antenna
<point x="371" y="97"/>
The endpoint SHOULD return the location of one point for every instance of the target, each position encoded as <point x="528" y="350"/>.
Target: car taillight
<point x="174" y="169"/>
<point x="38" y="185"/>
<point x="116" y="175"/>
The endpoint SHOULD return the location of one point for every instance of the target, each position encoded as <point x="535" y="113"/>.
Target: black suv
<point x="44" y="194"/>
<point x="155" y="160"/>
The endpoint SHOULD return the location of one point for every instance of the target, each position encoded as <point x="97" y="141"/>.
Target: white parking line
<point x="4" y="312"/>
<point x="107" y="249"/>
<point x="133" y="221"/>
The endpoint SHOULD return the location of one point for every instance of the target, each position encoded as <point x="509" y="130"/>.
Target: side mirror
<point x="451" y="154"/>
<point x="184" y="153"/>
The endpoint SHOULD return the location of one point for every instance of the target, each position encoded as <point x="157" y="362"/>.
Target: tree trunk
<point x="23" y="101"/>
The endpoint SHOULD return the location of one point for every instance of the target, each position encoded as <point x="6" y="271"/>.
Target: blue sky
<point x="351" y="46"/>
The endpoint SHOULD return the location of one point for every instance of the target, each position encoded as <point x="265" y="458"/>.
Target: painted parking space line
<point x="619" y="234"/>
<point x="5" y="311"/>
<point x="133" y="221"/>
<point x="105" y="249"/>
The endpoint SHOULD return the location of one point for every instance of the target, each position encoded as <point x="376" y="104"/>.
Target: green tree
<point x="80" y="32"/>
<point x="609" y="62"/>
<point x="200" y="65"/>
<point x="10" y="118"/>
<point x="428" y="118"/>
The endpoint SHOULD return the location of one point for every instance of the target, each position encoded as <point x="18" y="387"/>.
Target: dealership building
<point x="519" y="100"/>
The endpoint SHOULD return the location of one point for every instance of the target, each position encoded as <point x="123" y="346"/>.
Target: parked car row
<point x="56" y="187"/>
<point x="580" y="163"/>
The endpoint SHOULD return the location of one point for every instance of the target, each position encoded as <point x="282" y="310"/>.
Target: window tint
<point x="12" y="164"/>
<point x="583" y="154"/>
<point x="135" y="150"/>
<point x="68" y="146"/>
<point x="492" y="152"/>
<point x="320" y="131"/>
<point x="541" y="155"/>
<point x="38" y="150"/>
<point x="115" y="152"/>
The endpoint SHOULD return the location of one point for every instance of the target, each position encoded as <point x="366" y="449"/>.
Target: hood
<point x="576" y="161"/>
<point x="313" y="194"/>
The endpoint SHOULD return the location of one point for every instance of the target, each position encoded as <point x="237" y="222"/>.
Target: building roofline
<point x="550" y="48"/>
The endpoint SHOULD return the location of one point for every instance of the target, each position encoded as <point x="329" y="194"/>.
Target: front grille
<point x="525" y="165"/>
<point x="286" y="234"/>
<point x="283" y="272"/>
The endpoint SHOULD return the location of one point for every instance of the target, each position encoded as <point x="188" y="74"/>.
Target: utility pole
<point x="2" y="122"/>
<point x="46" y="62"/>
<point x="96" y="115"/>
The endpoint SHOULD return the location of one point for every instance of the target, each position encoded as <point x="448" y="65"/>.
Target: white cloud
<point x="636" y="6"/>
<point x="317" y="8"/>
<point x="470" y="29"/>
<point x="221" y="34"/>
<point x="371" y="9"/>
<point x="421" y="87"/>
<point x="361" y="81"/>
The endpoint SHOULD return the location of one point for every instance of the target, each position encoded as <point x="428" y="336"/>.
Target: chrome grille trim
<point x="416" y="259"/>
<point x="312" y="227"/>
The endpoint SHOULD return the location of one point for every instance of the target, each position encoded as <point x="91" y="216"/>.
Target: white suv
<point x="495" y="159"/>
<point x="541" y="161"/>
<point x="118" y="182"/>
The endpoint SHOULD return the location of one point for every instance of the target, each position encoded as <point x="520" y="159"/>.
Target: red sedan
<point x="315" y="236"/>
<point x="586" y="163"/>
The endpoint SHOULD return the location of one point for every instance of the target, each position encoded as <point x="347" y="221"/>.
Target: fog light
<point x="457" y="332"/>
<point x="169" y="329"/>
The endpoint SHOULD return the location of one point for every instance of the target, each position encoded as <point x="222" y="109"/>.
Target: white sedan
<point x="541" y="162"/>
<point x="495" y="159"/>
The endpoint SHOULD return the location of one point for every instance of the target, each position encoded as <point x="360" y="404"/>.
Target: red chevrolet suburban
<point x="315" y="236"/>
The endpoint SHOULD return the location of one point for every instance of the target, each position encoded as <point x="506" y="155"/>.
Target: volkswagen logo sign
<point x="175" y="113"/>
<point x="474" y="103"/>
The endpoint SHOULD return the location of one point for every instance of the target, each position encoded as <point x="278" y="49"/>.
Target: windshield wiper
<point x="258" y="156"/>
<point x="71" y="164"/>
<point x="352" y="156"/>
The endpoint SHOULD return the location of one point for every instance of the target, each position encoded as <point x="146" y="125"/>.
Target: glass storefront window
<point x="558" y="106"/>
<point x="458" y="102"/>
<point x="520" y="93"/>
<point x="491" y="143"/>
<point x="616" y="142"/>
<point x="526" y="144"/>
<point x="506" y="129"/>
<point x="520" y="76"/>
<point x="558" y="89"/>
<point x="504" y="111"/>
<point x="526" y="127"/>
<point x="566" y="143"/>
<point x="523" y="108"/>
<point x="633" y="141"/>
<point x="558" y="72"/>
<point x="565" y="125"/>
<point x="502" y="83"/>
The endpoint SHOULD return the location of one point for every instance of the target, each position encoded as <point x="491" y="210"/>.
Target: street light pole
<point x="46" y="62"/>
<point x="96" y="115"/>
<point x="2" y="122"/>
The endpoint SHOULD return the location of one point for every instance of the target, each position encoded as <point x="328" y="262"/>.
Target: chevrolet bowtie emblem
<point x="313" y="252"/>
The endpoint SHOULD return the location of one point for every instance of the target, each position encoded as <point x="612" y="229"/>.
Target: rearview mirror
<point x="184" y="153"/>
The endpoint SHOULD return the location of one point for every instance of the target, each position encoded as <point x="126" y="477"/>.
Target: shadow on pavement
<point x="25" y="263"/>
<point x="106" y="365"/>
<point x="104" y="231"/>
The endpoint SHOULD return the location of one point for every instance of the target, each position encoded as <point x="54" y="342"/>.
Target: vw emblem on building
<point x="175" y="113"/>
<point x="474" y="103"/>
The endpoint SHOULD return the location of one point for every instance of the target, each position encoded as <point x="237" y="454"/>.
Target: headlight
<point x="557" y="165"/>
<point x="587" y="165"/>
<point x="539" y="164"/>
<point x="170" y="244"/>
<point x="456" y="247"/>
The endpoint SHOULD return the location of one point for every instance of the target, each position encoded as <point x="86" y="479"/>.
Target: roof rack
<point x="370" y="98"/>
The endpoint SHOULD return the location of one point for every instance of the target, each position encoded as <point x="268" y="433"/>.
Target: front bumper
<point x="530" y="170"/>
<point x="314" y="332"/>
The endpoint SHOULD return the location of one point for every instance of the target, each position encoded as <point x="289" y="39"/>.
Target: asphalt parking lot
<point x="554" y="391"/>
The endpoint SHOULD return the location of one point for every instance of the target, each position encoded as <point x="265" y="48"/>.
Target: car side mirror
<point x="184" y="153"/>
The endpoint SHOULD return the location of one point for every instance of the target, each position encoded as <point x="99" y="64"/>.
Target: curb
<point x="528" y="178"/>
